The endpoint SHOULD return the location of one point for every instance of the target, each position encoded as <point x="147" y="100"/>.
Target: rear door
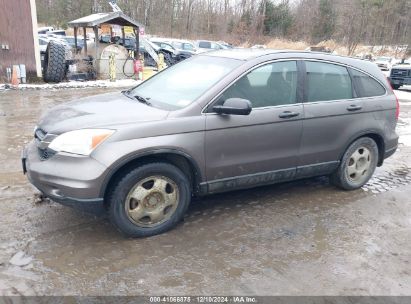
<point x="333" y="115"/>
<point x="261" y="148"/>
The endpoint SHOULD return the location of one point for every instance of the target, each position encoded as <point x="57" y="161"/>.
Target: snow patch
<point x="123" y="83"/>
<point x="20" y="259"/>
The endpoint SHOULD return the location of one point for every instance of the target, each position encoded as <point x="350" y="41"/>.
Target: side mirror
<point x="234" y="106"/>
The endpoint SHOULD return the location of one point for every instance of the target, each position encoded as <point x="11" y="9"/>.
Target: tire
<point x="356" y="168"/>
<point x="136" y="204"/>
<point x="168" y="59"/>
<point x="54" y="62"/>
<point x="395" y="86"/>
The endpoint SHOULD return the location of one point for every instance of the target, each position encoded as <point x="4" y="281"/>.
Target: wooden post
<point x="75" y="38"/>
<point x="85" y="39"/>
<point x="137" y="34"/>
<point x="96" y="41"/>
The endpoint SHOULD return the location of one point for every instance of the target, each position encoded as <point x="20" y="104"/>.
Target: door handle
<point x="353" y="108"/>
<point x="288" y="114"/>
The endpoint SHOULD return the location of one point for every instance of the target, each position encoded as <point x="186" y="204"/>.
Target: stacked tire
<point x="55" y="67"/>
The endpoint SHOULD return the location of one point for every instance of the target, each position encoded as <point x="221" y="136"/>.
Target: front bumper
<point x="400" y="81"/>
<point x="70" y="180"/>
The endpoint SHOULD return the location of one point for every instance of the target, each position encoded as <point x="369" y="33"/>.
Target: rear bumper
<point x="390" y="152"/>
<point x="70" y="180"/>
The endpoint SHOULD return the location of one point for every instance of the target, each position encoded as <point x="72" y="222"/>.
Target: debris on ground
<point x="39" y="198"/>
<point x="20" y="259"/>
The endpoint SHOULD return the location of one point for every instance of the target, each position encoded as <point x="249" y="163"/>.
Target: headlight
<point x="81" y="142"/>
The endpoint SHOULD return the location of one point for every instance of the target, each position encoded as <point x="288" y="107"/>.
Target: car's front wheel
<point x="149" y="200"/>
<point x="357" y="165"/>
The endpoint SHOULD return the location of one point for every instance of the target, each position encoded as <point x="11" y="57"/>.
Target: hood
<point x="402" y="66"/>
<point x="98" y="111"/>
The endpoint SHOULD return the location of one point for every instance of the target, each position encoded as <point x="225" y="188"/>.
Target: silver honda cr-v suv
<point x="217" y="122"/>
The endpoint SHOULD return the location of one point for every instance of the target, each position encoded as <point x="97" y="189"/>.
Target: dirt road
<point x="299" y="238"/>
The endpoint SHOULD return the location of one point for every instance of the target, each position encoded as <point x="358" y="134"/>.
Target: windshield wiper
<point x="142" y="100"/>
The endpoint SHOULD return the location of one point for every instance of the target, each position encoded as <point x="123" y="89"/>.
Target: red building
<point x="18" y="37"/>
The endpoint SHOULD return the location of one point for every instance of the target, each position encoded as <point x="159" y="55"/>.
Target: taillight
<point x="397" y="110"/>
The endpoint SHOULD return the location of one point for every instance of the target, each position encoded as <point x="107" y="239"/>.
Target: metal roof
<point x="118" y="18"/>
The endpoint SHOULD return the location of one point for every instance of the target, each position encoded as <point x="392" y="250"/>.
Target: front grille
<point x="45" y="154"/>
<point x="42" y="145"/>
<point x="400" y="73"/>
<point x="40" y="134"/>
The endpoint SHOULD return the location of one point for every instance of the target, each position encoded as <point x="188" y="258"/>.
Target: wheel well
<point x="380" y="144"/>
<point x="181" y="162"/>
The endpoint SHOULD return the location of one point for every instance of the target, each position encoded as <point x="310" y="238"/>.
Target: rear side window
<point x="366" y="86"/>
<point x="204" y="45"/>
<point x="326" y="81"/>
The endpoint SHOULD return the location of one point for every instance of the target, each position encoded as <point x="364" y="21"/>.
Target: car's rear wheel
<point x="149" y="200"/>
<point x="357" y="165"/>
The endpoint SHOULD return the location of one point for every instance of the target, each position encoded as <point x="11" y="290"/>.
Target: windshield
<point x="383" y="59"/>
<point x="181" y="84"/>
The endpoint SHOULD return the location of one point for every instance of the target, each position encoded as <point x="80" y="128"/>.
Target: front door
<point x="261" y="148"/>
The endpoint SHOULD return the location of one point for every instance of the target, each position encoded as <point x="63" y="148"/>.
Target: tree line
<point x="348" y="22"/>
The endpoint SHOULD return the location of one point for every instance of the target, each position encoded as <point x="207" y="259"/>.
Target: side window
<point x="327" y="81"/>
<point x="366" y="85"/>
<point x="270" y="85"/>
<point x="204" y="45"/>
<point x="188" y="47"/>
<point x="215" y="46"/>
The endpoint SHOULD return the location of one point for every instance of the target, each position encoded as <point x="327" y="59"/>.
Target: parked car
<point x="44" y="30"/>
<point x="259" y="46"/>
<point x="43" y="44"/>
<point x="384" y="63"/>
<point x="400" y="75"/>
<point x="224" y="45"/>
<point x="207" y="46"/>
<point x="57" y="33"/>
<point x="105" y="38"/>
<point x="184" y="46"/>
<point x="44" y="40"/>
<point x="216" y="122"/>
<point x="178" y="54"/>
<point x="321" y="49"/>
<point x="71" y="41"/>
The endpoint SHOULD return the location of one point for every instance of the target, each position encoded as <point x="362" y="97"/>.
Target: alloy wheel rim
<point x="152" y="201"/>
<point x="358" y="165"/>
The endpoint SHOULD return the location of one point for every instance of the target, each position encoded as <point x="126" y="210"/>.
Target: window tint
<point x="270" y="85"/>
<point x="366" y="85"/>
<point x="327" y="82"/>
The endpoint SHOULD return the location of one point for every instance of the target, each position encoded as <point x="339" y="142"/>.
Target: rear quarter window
<point x="366" y="86"/>
<point x="326" y="81"/>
